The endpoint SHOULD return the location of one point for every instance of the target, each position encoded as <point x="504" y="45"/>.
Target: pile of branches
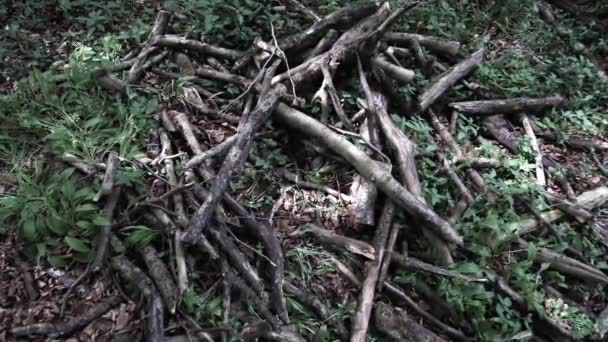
<point x="190" y="198"/>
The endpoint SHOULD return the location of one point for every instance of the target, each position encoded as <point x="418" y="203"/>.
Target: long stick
<point x="360" y="319"/>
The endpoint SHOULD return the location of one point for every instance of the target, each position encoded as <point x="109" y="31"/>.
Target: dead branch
<point x="272" y="246"/>
<point x="298" y="6"/>
<point x="219" y="235"/>
<point x="323" y="45"/>
<point x="105" y="233"/>
<point x="162" y="278"/>
<point x="370" y="169"/>
<point x="444" y="82"/>
<point x="542" y="325"/>
<point x="360" y="319"/>
<point x="540" y="172"/>
<point x="327" y="237"/>
<point x="108" y="179"/>
<point x="328" y="86"/>
<point x="397" y="293"/>
<point x="398" y="326"/>
<point x="338" y="18"/>
<point x="233" y="162"/>
<point x="349" y="42"/>
<point x="435" y="44"/>
<point x="573" y="210"/>
<point x="386" y="262"/>
<point x="175" y="42"/>
<point x="414" y="264"/>
<point x="462" y="188"/>
<point x="587" y="200"/>
<point x="575" y="142"/>
<point x="363" y="193"/>
<point x="568" y="265"/>
<point x="159" y="28"/>
<point x="216" y="150"/>
<point x="394" y="71"/>
<point x="154" y="328"/>
<point x="508" y="106"/>
<point x="68" y="328"/>
<point x="321" y="310"/>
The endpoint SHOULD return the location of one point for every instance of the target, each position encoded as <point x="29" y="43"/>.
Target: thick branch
<point x="508" y="106"/>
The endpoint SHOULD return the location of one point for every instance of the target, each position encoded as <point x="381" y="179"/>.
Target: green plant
<point x="54" y="211"/>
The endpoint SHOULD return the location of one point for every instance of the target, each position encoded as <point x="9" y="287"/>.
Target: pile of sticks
<point x="191" y="202"/>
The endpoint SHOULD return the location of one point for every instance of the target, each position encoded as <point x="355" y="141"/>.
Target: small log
<point x="398" y="326"/>
<point x="396" y="72"/>
<point x="154" y="328"/>
<point x="479" y="163"/>
<point x="329" y="238"/>
<point x="178" y="199"/>
<point x="508" y="106"/>
<point x="435" y="44"/>
<point x="175" y="42"/>
<point x="360" y="319"/>
<point x="68" y="328"/>
<point x="437" y="88"/>
<point x="370" y="169"/>
<point x="162" y="278"/>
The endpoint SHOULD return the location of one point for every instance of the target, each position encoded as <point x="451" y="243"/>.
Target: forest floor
<point x="156" y="184"/>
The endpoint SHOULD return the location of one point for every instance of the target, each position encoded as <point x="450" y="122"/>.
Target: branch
<point x="435" y="44"/>
<point x="360" y="319"/>
<point x="437" y="88"/>
<point x="66" y="329"/>
<point x="508" y="106"/>
<point x="327" y="237"/>
<point x="369" y="169"/>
